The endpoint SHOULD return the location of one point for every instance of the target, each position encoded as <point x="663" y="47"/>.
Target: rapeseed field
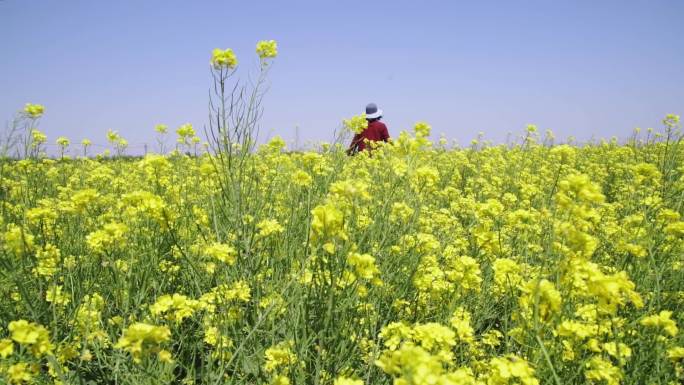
<point x="412" y="264"/>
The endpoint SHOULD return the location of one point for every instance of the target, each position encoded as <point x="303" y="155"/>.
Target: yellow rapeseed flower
<point x="62" y="141"/>
<point x="347" y="381"/>
<point x="19" y="373"/>
<point x="356" y="124"/>
<point x="280" y="356"/>
<point x="327" y="222"/>
<point x="31" y="335"/>
<point x="223" y="59"/>
<point x="422" y="129"/>
<point x="222" y="252"/>
<point x="600" y="369"/>
<point x="6" y="348"/>
<point x="364" y="265"/>
<point x="504" y="369"/>
<point x="141" y="338"/>
<point x="267" y="49"/>
<point x="268" y="227"/>
<point x="161" y="128"/>
<point x="176" y="307"/>
<point x="662" y="321"/>
<point x="34" y="111"/>
<point x="38" y="137"/>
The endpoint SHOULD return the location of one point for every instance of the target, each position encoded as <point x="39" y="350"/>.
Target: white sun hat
<point x="372" y="111"/>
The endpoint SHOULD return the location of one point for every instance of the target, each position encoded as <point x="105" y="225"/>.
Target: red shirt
<point x="376" y="131"/>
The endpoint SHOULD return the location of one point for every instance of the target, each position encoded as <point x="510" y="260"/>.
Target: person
<point x="375" y="132"/>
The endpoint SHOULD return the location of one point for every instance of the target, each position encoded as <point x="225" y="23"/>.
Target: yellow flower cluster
<point x="540" y="299"/>
<point x="327" y="222"/>
<point x="48" y="261"/>
<point x="223" y="59"/>
<point x="511" y="368"/>
<point x="140" y="339"/>
<point x="269" y="227"/>
<point x="279" y="357"/>
<point x="267" y="49"/>
<point x="31" y="336"/>
<point x="174" y="307"/>
<point x="34" y="111"/>
<point x="161" y="128"/>
<point x="62" y="141"/>
<point x="422" y="129"/>
<point x="356" y="124"/>
<point x="111" y="236"/>
<point x="347" y="381"/>
<point x="38" y="138"/>
<point x="662" y="321"/>
<point x="364" y="266"/>
<point x="222" y="252"/>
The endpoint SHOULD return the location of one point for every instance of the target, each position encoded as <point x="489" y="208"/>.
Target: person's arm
<point x="385" y="133"/>
<point x="354" y="144"/>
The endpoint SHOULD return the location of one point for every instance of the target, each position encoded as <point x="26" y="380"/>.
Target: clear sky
<point x="582" y="68"/>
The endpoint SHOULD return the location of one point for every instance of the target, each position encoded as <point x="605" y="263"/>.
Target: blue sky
<point x="582" y="68"/>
